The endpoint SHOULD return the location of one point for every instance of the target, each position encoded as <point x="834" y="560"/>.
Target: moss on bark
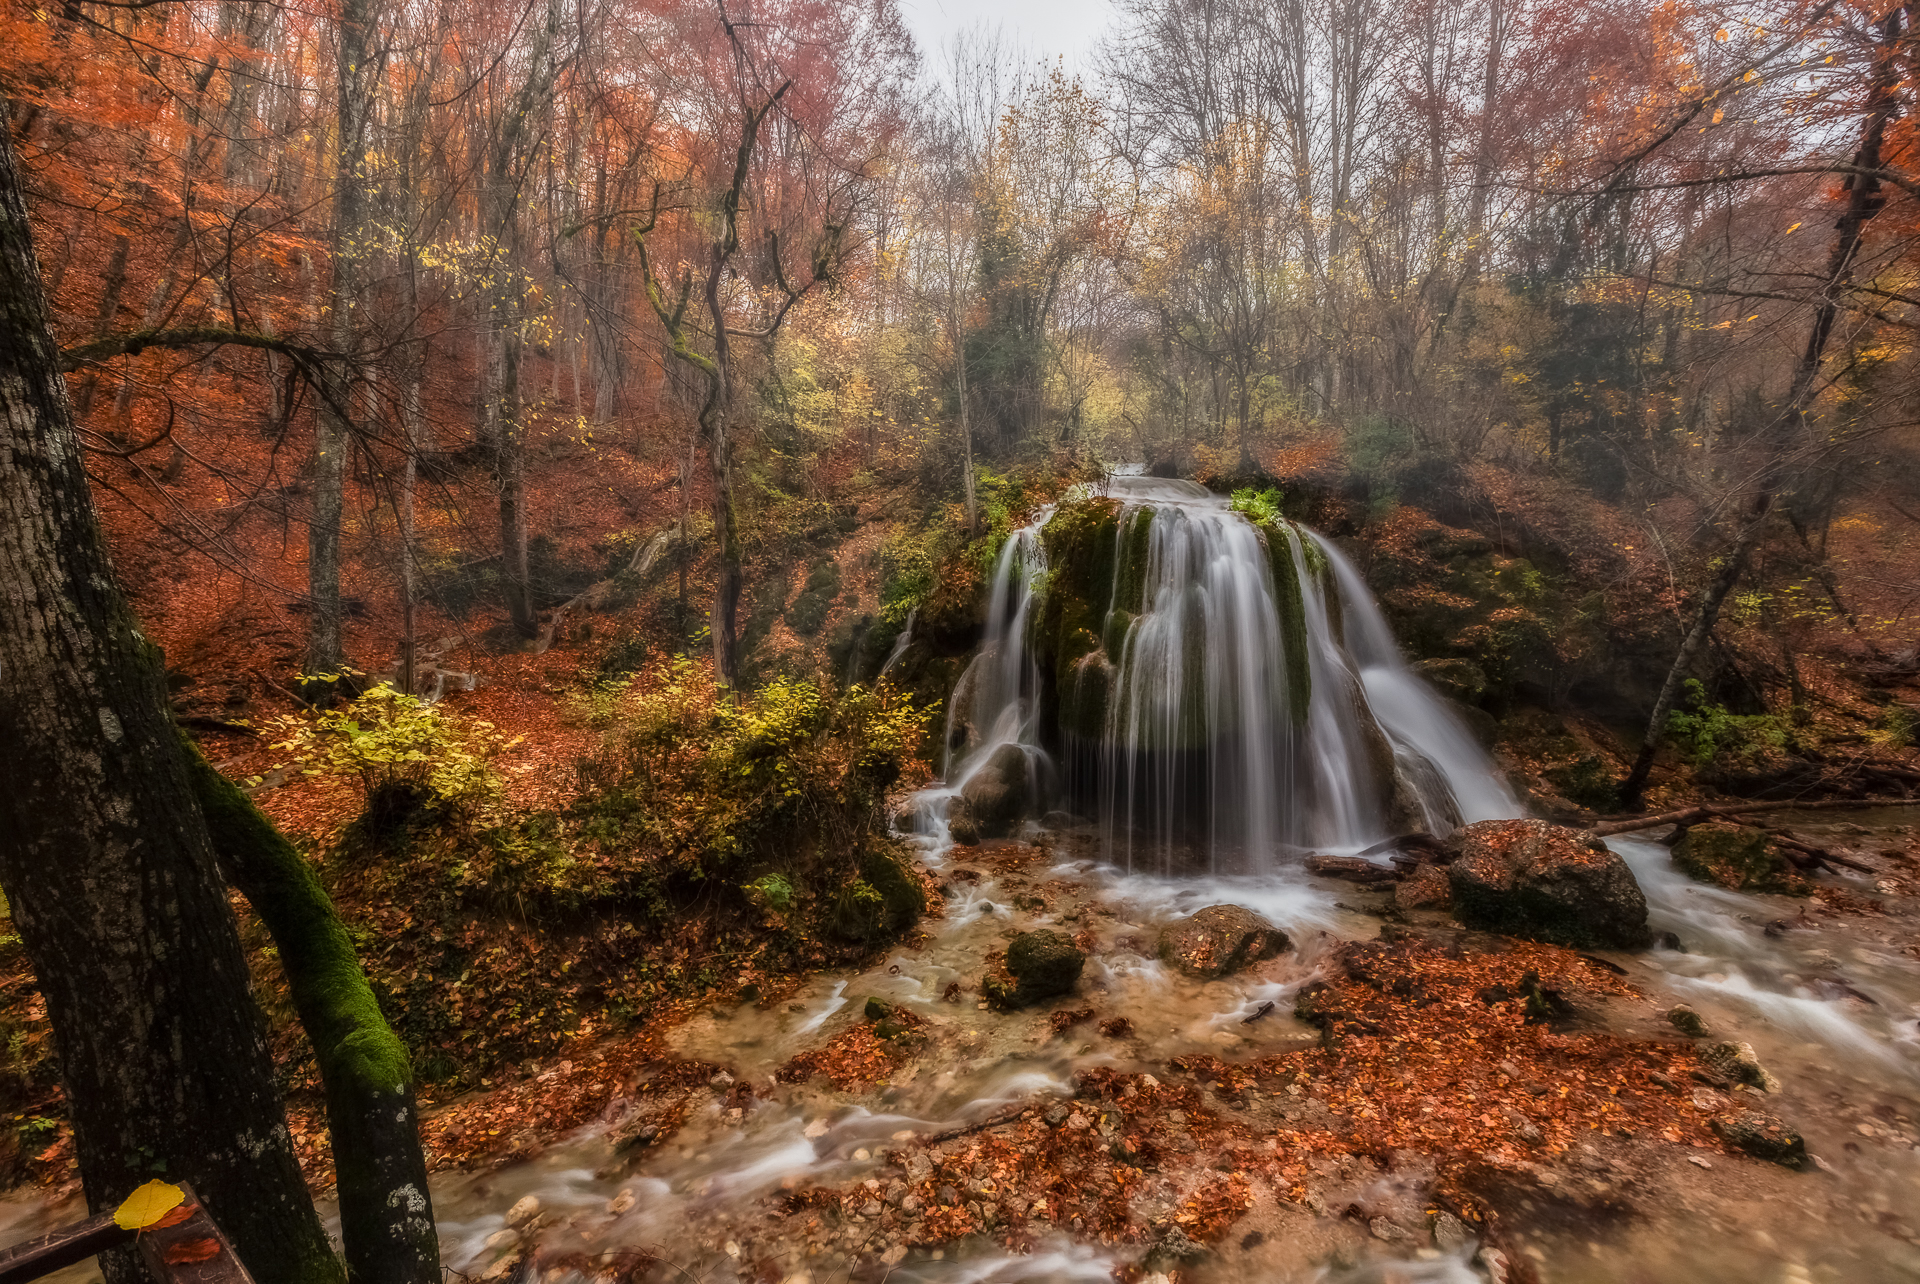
<point x="386" y="1218"/>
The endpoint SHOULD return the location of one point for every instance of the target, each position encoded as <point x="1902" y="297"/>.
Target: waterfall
<point x="1219" y="695"/>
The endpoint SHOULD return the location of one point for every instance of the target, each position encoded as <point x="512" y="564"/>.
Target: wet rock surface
<point x="1544" y="882"/>
<point x="999" y="795"/>
<point x="1220" y="940"/>
<point x="1734" y="857"/>
<point x="1043" y="965"/>
<point x="1764" y="1136"/>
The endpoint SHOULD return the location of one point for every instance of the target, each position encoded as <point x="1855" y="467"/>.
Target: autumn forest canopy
<point x="573" y="508"/>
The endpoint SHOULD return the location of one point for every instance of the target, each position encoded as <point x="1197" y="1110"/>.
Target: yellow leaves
<point x="1722" y="35"/>
<point x="147" y="1205"/>
<point x="1718" y="116"/>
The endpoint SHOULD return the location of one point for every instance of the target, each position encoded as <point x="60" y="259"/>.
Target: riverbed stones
<point x="1735" y="857"/>
<point x="1219" y="941"/>
<point x="1763" y="1136"/>
<point x="1043" y="964"/>
<point x="1688" y="1022"/>
<point x="999" y="793"/>
<point x="1737" y="1063"/>
<point x="1545" y="882"/>
<point x="961" y="826"/>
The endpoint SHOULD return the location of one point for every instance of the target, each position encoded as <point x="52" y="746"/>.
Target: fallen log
<point x="1705" y="811"/>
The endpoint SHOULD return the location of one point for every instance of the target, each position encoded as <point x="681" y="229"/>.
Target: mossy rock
<point x="1735" y="857"/>
<point x="1588" y="781"/>
<point x="880" y="904"/>
<point x="1463" y="680"/>
<point x="1043" y="964"/>
<point x="1542" y="882"/>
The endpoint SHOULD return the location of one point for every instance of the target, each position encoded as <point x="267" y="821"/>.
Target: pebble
<point x="905" y="1134"/>
<point x="1382" y="1229"/>
<point x="524" y="1211"/>
<point x="733" y="1250"/>
<point x="1698" y="1161"/>
<point x="863" y="1153"/>
<point x="620" y="1203"/>
<point x="818" y="1128"/>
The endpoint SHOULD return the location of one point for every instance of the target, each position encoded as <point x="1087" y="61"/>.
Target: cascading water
<point x="1228" y="694"/>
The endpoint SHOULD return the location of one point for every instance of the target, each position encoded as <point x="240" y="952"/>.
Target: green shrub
<point x="407" y="756"/>
<point x="1707" y="732"/>
<point x="1262" y="507"/>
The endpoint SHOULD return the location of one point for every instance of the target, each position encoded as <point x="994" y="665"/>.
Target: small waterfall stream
<point x="1249" y="700"/>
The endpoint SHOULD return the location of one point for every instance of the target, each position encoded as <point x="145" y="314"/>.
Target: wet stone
<point x="1737" y="1063"/>
<point x="1688" y="1022"/>
<point x="1545" y="882"/>
<point x="1044" y="964"/>
<point x="1220" y="940"/>
<point x="1763" y="1136"/>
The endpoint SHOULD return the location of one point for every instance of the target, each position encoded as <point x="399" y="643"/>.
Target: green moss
<point x="1732" y="856"/>
<point x="1130" y="585"/>
<point x="881" y="903"/>
<point x="1085" y="696"/>
<point x="1290" y="604"/>
<point x="1081" y="543"/>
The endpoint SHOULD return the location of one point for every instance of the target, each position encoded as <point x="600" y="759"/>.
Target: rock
<point x="1354" y="869"/>
<point x="1426" y="888"/>
<point x="1544" y="882"/>
<point x="1044" y="964"/>
<point x="524" y="1211"/>
<point x="961" y="826"/>
<point x="1385" y="1231"/>
<point x="878" y="1009"/>
<point x="1450" y="1234"/>
<point x="621" y="1203"/>
<point x="1174" y="1248"/>
<point x="1688" y="1022"/>
<point x="1736" y="1062"/>
<point x="1763" y="1136"/>
<point x="1736" y="857"/>
<point x="1220" y="940"/>
<point x="998" y="794"/>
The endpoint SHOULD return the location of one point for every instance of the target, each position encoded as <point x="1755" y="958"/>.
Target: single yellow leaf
<point x="1717" y="116"/>
<point x="1720" y="34"/>
<point x="148" y="1205"/>
<point x="1793" y="229"/>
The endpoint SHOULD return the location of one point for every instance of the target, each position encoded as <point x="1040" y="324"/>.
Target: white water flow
<point x="1257" y="705"/>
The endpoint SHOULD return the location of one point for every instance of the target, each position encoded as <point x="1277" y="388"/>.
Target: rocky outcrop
<point x="1220" y="940"/>
<point x="1736" y="857"/>
<point x="1043" y="964"/>
<point x="999" y="795"/>
<point x="1544" y="882"/>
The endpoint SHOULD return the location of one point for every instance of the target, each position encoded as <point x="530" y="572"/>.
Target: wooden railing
<point x="192" y="1250"/>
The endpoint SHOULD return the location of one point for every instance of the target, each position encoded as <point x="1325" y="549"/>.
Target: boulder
<point x="961" y="826"/>
<point x="1427" y="887"/>
<point x="1736" y="857"/>
<point x="999" y="793"/>
<point x="1044" y="964"/>
<point x="1220" y="940"/>
<point x="1763" y="1136"/>
<point x="1544" y="882"/>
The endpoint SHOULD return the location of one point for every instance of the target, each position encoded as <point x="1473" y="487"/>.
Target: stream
<point x="1153" y="828"/>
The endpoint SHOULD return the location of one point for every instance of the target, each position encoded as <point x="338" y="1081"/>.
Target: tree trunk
<point x="726" y="535"/>
<point x="386" y="1215"/>
<point x="107" y="864"/>
<point x="333" y="433"/>
<point x="1863" y="202"/>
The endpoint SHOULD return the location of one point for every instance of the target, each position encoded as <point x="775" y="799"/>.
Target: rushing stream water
<point x="1206" y="663"/>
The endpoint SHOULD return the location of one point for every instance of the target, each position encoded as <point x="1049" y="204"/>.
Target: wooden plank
<point x="61" y="1248"/>
<point x="199" y="1249"/>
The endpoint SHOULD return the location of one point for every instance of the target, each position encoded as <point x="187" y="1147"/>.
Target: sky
<point x="1046" y="28"/>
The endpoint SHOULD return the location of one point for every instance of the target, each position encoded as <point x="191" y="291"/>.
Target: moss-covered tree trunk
<point x="104" y="856"/>
<point x="386" y="1215"/>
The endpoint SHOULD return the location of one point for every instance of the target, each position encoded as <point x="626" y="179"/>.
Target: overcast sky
<point x="1045" y="28"/>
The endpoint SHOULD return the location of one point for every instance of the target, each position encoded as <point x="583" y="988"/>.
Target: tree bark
<point x="333" y="431"/>
<point x="107" y="864"/>
<point x="386" y="1214"/>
